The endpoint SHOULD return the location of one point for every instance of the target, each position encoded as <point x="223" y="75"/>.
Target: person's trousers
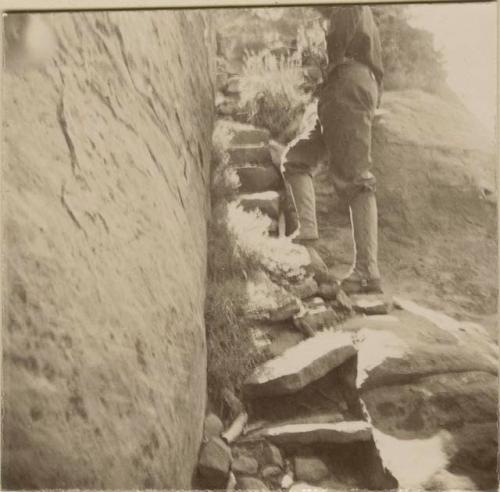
<point x="342" y="132"/>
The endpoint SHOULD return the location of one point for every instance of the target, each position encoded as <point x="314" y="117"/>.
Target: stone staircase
<point x="303" y="422"/>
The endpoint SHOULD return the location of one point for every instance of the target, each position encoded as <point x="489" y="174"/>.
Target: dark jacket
<point x="354" y="34"/>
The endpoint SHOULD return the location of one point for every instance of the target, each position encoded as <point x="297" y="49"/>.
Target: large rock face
<point x="107" y="154"/>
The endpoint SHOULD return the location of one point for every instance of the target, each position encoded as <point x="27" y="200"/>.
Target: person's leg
<point x="298" y="161"/>
<point x="346" y="112"/>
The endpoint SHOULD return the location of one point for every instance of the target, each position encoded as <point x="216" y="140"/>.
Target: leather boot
<point x="365" y="276"/>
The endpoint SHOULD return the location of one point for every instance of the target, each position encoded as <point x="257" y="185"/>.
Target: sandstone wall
<point x="105" y="172"/>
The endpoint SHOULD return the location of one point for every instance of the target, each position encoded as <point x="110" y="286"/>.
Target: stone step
<point x="232" y="86"/>
<point x="268" y="202"/>
<point x="374" y="304"/>
<point x="249" y="154"/>
<point x="251" y="136"/>
<point x="319" y="433"/>
<point x="300" y="365"/>
<point x="214" y="463"/>
<point x="256" y="179"/>
<point x="314" y="320"/>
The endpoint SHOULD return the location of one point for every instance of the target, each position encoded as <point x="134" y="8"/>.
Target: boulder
<point x="249" y="154"/>
<point x="272" y="455"/>
<point x="215" y="463"/>
<point x="310" y="468"/>
<point x="213" y="427"/>
<point x="250" y="483"/>
<point x="267" y="202"/>
<point x="272" y="473"/>
<point x="304" y="289"/>
<point x="430" y="385"/>
<point x="312" y="433"/>
<point x="257" y="179"/>
<point x="245" y="465"/>
<point x="286" y="481"/>
<point x="300" y="365"/>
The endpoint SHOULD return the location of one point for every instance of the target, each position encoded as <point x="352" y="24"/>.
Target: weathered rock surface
<point x="300" y="365"/>
<point x="249" y="135"/>
<point x="338" y="433"/>
<point x="430" y="385"/>
<point x="212" y="427"/>
<point x="371" y="304"/>
<point x="245" y="465"/>
<point x="286" y="481"/>
<point x="310" y="468"/>
<point x="272" y="455"/>
<point x="272" y="473"/>
<point x="305" y="289"/>
<point x="267" y="202"/>
<point x="313" y="321"/>
<point x="268" y="301"/>
<point x="251" y="483"/>
<point x="329" y="291"/>
<point x="215" y="463"/>
<point x="106" y="170"/>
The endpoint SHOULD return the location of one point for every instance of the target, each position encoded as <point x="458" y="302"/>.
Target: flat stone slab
<point x="267" y="202"/>
<point x="300" y="365"/>
<point x="256" y="179"/>
<point x="247" y="154"/>
<point x="371" y="305"/>
<point x="312" y="433"/>
<point x="250" y="136"/>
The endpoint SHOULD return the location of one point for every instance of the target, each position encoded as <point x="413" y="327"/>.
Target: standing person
<point x="346" y="107"/>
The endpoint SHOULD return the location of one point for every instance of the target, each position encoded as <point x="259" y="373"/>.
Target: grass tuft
<point x="272" y="94"/>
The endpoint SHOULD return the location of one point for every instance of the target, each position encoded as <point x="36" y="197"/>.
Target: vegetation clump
<point x="230" y="350"/>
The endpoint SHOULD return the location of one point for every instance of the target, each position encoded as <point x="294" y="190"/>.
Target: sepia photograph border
<point x="40" y="6"/>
